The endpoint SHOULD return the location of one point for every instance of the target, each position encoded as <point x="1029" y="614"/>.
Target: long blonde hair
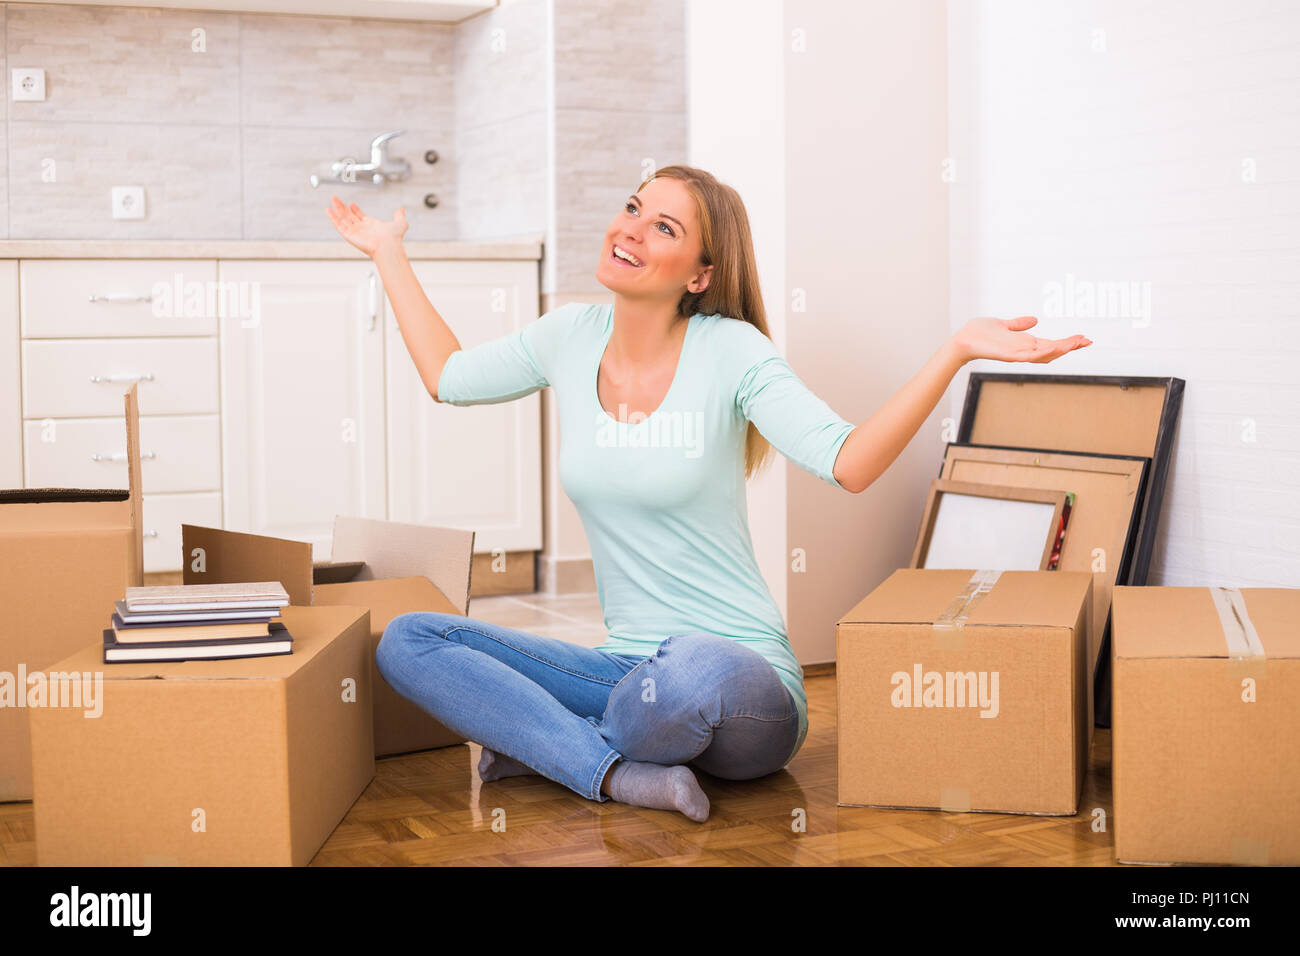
<point x="733" y="288"/>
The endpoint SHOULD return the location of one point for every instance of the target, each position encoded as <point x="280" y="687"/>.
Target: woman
<point x="667" y="402"/>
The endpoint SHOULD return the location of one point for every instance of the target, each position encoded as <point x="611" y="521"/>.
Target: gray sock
<point x="494" y="766"/>
<point x="658" y="787"/>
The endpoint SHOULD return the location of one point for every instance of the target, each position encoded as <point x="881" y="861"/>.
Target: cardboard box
<point x="1206" y="740"/>
<point x="249" y="762"/>
<point x="67" y="555"/>
<point x="965" y="690"/>
<point x="401" y="567"/>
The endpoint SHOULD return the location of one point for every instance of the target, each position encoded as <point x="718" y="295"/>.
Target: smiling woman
<point x="697" y="672"/>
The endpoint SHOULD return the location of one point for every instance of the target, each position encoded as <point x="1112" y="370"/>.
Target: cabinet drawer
<point x="163" y="516"/>
<point x="177" y="453"/>
<point x="59" y="376"/>
<point x="98" y="297"/>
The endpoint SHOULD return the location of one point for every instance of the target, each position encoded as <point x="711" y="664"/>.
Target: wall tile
<point x="502" y="183"/>
<point x="126" y="64"/>
<point x="621" y="55"/>
<point x="345" y="73"/>
<point x="500" y="63"/>
<point x="4" y="130"/>
<point x="190" y="175"/>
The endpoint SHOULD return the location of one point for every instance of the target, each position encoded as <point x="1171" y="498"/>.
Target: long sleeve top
<point x="662" y="499"/>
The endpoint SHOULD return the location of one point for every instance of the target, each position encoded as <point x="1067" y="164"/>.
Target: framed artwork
<point x="975" y="525"/>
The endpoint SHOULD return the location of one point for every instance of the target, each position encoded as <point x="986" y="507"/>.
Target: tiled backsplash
<point x="222" y="117"/>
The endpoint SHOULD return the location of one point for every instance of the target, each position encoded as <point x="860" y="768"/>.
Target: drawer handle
<point x="374" y="301"/>
<point x="113" y="379"/>
<point x="121" y="456"/>
<point x="120" y="297"/>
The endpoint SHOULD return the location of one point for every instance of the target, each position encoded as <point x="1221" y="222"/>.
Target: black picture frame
<point x="1153" y="494"/>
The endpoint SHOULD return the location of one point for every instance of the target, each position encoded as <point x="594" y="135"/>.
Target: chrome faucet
<point x="380" y="170"/>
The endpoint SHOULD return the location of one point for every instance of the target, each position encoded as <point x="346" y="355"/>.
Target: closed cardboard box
<point x="966" y="690"/>
<point x="385" y="566"/>
<point x="249" y="762"/>
<point x="67" y="554"/>
<point x="1206" y="725"/>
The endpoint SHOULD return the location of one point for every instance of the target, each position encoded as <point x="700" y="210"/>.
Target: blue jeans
<point x="569" y="711"/>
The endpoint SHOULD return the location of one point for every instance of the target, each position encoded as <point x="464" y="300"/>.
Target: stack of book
<point x="184" y="622"/>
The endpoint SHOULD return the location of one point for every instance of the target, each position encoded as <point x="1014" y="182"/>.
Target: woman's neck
<point x="645" y="333"/>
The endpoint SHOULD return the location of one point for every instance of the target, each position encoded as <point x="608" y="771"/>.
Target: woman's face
<point x="658" y="227"/>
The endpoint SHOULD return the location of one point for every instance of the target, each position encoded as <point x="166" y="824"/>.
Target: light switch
<point x="128" y="202"/>
<point x="28" y="83"/>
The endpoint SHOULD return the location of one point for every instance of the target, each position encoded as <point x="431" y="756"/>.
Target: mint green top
<point x="662" y="500"/>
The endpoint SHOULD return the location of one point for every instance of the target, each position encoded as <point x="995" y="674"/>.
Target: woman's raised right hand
<point x="365" y="232"/>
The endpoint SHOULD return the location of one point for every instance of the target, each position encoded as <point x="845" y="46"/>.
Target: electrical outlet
<point x="28" y="83"/>
<point x="128" y="202"/>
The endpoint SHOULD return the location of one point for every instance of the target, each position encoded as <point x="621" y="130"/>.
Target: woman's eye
<point x="667" y="228"/>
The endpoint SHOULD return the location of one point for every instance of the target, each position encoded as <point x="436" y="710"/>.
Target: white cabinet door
<point x="477" y="467"/>
<point x="302" y="398"/>
<point x="11" y="424"/>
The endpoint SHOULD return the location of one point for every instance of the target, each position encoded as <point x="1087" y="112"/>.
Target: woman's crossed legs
<point x="570" y="712"/>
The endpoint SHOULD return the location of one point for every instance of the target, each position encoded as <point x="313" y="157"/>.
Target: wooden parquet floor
<point x="431" y="809"/>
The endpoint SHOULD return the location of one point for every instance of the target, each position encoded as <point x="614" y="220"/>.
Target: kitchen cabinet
<point x="303" y="399"/>
<point x="468" y="466"/>
<point x="296" y="402"/>
<point x="437" y="11"/>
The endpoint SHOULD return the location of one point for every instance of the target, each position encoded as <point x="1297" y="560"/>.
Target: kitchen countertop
<point x="518" y="248"/>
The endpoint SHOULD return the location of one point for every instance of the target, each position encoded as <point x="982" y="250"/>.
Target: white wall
<point x="829" y="119"/>
<point x="735" y="108"/>
<point x="1156" y="144"/>
<point x="867" y="243"/>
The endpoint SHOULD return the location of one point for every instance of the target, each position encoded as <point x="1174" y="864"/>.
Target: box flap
<point x="1163" y="622"/>
<point x="231" y="557"/>
<point x="387" y="598"/>
<point x="60" y="510"/>
<point x="312" y="628"/>
<point x="394" y="550"/>
<point x="135" y="485"/>
<point x="1018" y="598"/>
<point x="65" y="516"/>
<point x="41" y="495"/>
<point x="335" y="572"/>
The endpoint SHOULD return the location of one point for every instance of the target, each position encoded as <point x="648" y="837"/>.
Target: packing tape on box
<point x="949" y="629"/>
<point x="954" y="799"/>
<point x="1238" y="630"/>
<point x="1248" y="852"/>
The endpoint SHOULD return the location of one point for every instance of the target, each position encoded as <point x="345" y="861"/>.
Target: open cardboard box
<point x="244" y="762"/>
<point x="67" y="554"/>
<point x="390" y="568"/>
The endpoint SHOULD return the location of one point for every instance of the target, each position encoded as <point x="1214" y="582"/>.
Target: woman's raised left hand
<point x="1007" y="341"/>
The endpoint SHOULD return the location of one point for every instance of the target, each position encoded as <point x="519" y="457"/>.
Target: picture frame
<point x="978" y="525"/>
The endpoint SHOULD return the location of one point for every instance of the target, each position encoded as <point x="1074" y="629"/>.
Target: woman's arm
<point x="427" y="337"/>
<point x="874" y="445"/>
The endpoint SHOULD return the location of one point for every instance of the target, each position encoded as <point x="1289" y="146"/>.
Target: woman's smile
<point x="617" y="253"/>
